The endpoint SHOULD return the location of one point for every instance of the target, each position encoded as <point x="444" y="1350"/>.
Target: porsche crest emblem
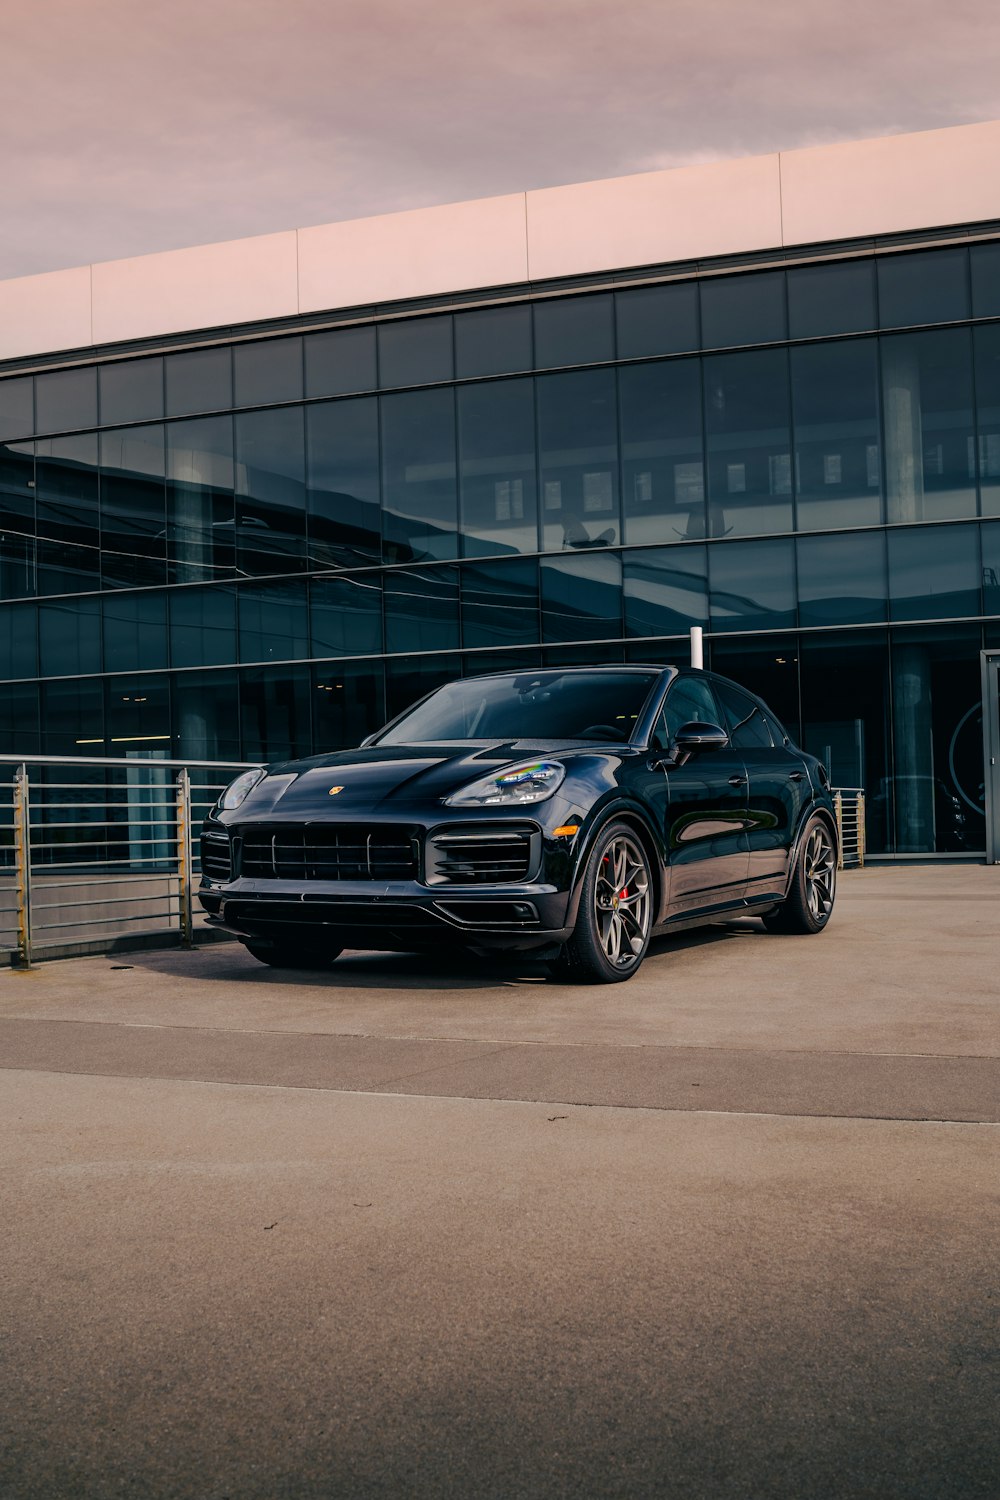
<point x="335" y="789"/>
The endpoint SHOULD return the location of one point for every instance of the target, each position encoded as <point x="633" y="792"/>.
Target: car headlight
<point x="521" y="784"/>
<point x="239" y="790"/>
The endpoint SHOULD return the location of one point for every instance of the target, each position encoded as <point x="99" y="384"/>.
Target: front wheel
<point x="615" y="917"/>
<point x="809" y="904"/>
<point x="291" y="956"/>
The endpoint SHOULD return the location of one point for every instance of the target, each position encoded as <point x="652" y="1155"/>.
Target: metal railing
<point x="849" y="807"/>
<point x="96" y="850"/>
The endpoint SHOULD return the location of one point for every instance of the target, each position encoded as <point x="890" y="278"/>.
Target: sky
<point x="130" y="126"/>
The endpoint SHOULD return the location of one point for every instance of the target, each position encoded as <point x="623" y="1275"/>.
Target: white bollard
<point x="697" y="647"/>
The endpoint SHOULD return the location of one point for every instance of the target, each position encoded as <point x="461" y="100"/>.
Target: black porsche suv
<point x="572" y="813"/>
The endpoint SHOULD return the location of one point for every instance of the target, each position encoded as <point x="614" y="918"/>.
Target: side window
<point x="746" y="722"/>
<point x="689" y="699"/>
<point x="779" y="733"/>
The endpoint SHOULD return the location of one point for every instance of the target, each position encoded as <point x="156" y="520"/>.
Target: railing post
<point x="22" y="865"/>
<point x="838" y="812"/>
<point x="184" y="867"/>
<point x="861" y="830"/>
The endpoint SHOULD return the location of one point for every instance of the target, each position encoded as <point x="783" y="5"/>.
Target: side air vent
<point x="216" y="856"/>
<point x="482" y="855"/>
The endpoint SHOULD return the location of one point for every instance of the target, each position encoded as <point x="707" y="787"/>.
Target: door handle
<point x="796" y="775"/>
<point x="737" y="780"/>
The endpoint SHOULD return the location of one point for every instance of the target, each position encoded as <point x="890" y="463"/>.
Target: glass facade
<point x="264" y="547"/>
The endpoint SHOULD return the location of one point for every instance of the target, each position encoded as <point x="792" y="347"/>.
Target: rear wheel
<point x="808" y="906"/>
<point x="284" y="955"/>
<point x="616" y="912"/>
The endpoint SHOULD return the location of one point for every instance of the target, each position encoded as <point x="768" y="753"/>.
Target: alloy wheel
<point x="820" y="872"/>
<point x="622" y="902"/>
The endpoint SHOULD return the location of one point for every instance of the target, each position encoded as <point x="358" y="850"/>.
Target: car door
<point x="705" y="812"/>
<point x="779" y="786"/>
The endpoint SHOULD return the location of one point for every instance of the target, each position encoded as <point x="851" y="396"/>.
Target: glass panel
<point x="137" y="714"/>
<point x="574" y="331"/>
<point x="202" y="626"/>
<point x="343" y="487"/>
<point x="749" y="446"/>
<point x="16" y="408"/>
<point x="581" y="597"/>
<point x="65" y="399"/>
<point x="19" y="720"/>
<point x="985" y="281"/>
<point x="201" y="380"/>
<point x="500" y="604"/>
<point x="201" y="514"/>
<point x="931" y="286"/>
<point x="930" y="456"/>
<point x="274" y="621"/>
<point x="135" y="632"/>
<point x="745" y="721"/>
<point x="421" y="609"/>
<point x="937" y="741"/>
<point x="409" y="679"/>
<point x="746" y="309"/>
<point x="657" y="320"/>
<point x="666" y="590"/>
<point x="133" y="507"/>
<point x="206" y="722"/>
<point x="419" y="491"/>
<point x="578" y="439"/>
<point x="662" y="453"/>
<point x="768" y="668"/>
<point x="845" y="714"/>
<point x="987" y="347"/>
<point x="69" y="638"/>
<point x="934" y="572"/>
<point x="340" y="361"/>
<point x="131" y="391"/>
<point x="73" y="717"/>
<point x="831" y="299"/>
<point x="275" y="713"/>
<point x="838" y="460"/>
<point x="496" y="434"/>
<point x="17" y="519"/>
<point x="991" y="568"/>
<point x="492" y="340"/>
<point x="69" y="537"/>
<point x="18" y="641"/>
<point x="482" y="663"/>
<point x="600" y="653"/>
<point x="753" y="585"/>
<point x="348" y="704"/>
<point x="268" y="371"/>
<point x="842" y="579"/>
<point x="346" y="615"/>
<point x="415" y="352"/>
<point x="270" y="491"/>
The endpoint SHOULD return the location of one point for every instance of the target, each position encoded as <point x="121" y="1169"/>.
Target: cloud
<point x="138" y="125"/>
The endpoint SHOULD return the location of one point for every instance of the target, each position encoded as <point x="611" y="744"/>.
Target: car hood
<point x="381" y="778"/>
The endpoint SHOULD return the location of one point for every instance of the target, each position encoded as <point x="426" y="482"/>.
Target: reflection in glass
<point x="666" y="590"/>
<point x="581" y="597"/>
<point x="270" y="491"/>
<point x="275" y="713"/>
<point x="343" y="486"/>
<point x="768" y="668"/>
<point x="346" y="615"/>
<point x="492" y="341"/>
<point x="574" y="331"/>
<point x="753" y="585"/>
<point x="340" y="361"/>
<point x="934" y="572"/>
<point x="500" y="603"/>
<point x="268" y="371"/>
<point x="415" y="351"/>
<point x="409" y="679"/>
<point x="990" y="540"/>
<point x="16" y="408"/>
<point x="926" y="286"/>
<point x="65" y="399"/>
<point x="842" y="579"/>
<point x="838" y="457"/>
<point x="838" y="298"/>
<point x="206" y="717"/>
<point x="274" y="621"/>
<point x="662" y="452"/>
<point x="657" y="320"/>
<point x="201" y="515"/>
<point x="131" y="391"/>
<point x="419" y="492"/>
<point x="930" y="458"/>
<point x="135" y="631"/>
<point x="19" y="729"/>
<point x="985" y="281"/>
<point x="496" y="435"/>
<point x="421" y="609"/>
<point x="72" y="711"/>
<point x="578" y="441"/>
<point x="749" y="445"/>
<point x="202" y="626"/>
<point x="348" y="704"/>
<point x="69" y="637"/>
<point x="18" y="641"/>
<point x="845" y="718"/>
<point x="133" y="507"/>
<point x="748" y="309"/>
<point x="17" y="519"/>
<point x="201" y="380"/>
<point x="987" y="346"/>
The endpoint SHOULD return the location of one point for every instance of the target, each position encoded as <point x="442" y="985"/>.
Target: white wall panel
<point x="39" y="314"/>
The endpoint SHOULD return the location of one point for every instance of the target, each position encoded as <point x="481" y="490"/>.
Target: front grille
<point x="317" y="851"/>
<point x="216" y="856"/>
<point x="481" y="856"/>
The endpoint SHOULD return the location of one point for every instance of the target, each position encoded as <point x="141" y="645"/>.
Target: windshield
<point x="528" y="706"/>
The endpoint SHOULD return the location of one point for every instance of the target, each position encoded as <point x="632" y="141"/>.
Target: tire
<point x="291" y="956"/>
<point x="809" y="904"/>
<point x="612" y="929"/>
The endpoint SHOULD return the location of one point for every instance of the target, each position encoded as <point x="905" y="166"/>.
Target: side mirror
<point x="700" y="736"/>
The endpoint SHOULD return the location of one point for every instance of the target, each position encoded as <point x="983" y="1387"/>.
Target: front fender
<point x="629" y="811"/>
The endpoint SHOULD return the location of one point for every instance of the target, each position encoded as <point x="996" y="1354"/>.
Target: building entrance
<point x="991" y="749"/>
